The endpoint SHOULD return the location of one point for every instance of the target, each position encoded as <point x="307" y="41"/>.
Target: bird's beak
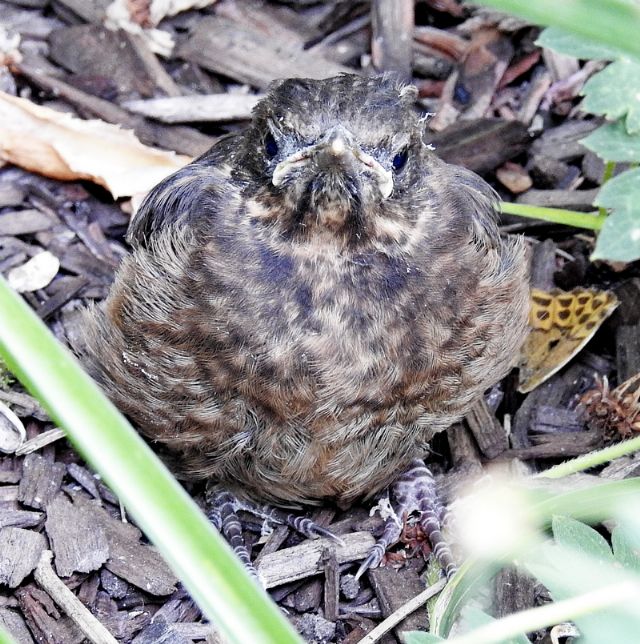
<point x="336" y="149"/>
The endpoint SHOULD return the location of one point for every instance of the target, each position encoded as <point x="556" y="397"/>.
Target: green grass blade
<point x="611" y="22"/>
<point x="5" y="638"/>
<point x="161" y="507"/>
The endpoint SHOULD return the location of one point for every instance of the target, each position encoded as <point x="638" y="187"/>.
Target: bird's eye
<point x="270" y="145"/>
<point x="400" y="160"/>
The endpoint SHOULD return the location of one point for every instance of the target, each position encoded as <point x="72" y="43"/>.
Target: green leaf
<point x="614" y="23"/>
<point x="579" y="536"/>
<point x="619" y="239"/>
<point x="571" y="44"/>
<point x="568" y="573"/>
<point x="615" y="93"/>
<point x="621" y="192"/>
<point x="612" y="142"/>
<point x="591" y="502"/>
<point x="430" y="577"/>
<point x="626" y="546"/>
<point x="418" y="637"/>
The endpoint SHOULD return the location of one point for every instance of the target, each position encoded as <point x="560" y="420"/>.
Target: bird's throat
<point x="330" y="203"/>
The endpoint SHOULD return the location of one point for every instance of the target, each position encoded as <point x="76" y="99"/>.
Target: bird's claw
<point x="223" y="506"/>
<point x="327" y="534"/>
<point x="414" y="491"/>
<point x="373" y="559"/>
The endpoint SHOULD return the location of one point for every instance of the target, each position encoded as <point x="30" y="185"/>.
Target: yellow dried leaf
<point x="61" y="146"/>
<point x="561" y="325"/>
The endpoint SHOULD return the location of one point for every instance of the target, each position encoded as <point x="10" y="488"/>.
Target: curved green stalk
<point x="593" y="459"/>
<point x="197" y="553"/>
<point x="591" y="221"/>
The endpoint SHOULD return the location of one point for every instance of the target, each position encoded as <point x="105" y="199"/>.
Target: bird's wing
<point x="480" y="201"/>
<point x="177" y="198"/>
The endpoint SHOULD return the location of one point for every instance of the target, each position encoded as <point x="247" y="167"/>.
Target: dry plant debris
<point x="63" y="147"/>
<point x="616" y="412"/>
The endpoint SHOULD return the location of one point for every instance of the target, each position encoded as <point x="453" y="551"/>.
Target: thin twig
<point x="406" y="609"/>
<point x="69" y="603"/>
<point x="40" y="441"/>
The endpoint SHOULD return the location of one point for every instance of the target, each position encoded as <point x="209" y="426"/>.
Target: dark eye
<point x="270" y="145"/>
<point x="400" y="160"/>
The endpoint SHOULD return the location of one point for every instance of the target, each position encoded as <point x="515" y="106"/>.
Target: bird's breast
<point x="329" y="336"/>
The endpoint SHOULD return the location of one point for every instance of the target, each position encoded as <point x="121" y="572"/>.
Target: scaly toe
<point x="221" y="511"/>
<point x="414" y="491"/>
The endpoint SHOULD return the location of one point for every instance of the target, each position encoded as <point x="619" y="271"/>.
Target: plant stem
<point x="591" y="221"/>
<point x="215" y="578"/>
<point x="609" y="169"/>
<point x="593" y="459"/>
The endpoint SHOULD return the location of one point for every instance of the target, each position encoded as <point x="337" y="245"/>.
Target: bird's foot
<point x="223" y="507"/>
<point x="414" y="492"/>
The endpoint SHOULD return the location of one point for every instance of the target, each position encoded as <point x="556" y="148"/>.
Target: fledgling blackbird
<point x="311" y="300"/>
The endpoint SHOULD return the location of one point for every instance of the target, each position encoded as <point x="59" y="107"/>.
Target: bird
<point x="309" y="302"/>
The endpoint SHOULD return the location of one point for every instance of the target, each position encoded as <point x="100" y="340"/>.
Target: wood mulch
<point x="502" y="107"/>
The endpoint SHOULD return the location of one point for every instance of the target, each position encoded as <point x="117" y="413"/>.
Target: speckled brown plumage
<point x="286" y="326"/>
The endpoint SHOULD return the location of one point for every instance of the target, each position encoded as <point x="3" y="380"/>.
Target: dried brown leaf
<point x="61" y="146"/>
<point x="142" y="16"/>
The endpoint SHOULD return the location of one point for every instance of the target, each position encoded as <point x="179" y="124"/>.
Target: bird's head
<point x="341" y="158"/>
